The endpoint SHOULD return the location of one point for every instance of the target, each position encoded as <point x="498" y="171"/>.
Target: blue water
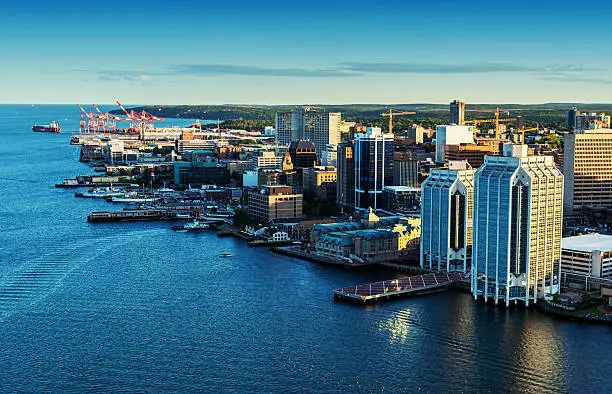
<point x="101" y="307"/>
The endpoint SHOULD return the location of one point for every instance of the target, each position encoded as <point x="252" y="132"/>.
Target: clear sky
<point x="291" y="52"/>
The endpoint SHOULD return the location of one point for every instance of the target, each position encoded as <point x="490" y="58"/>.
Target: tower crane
<point x="497" y="120"/>
<point x="390" y="112"/>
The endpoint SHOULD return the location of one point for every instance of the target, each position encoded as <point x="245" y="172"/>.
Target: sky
<point x="316" y="52"/>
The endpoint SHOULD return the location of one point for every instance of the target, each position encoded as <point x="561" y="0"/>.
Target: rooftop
<point x="588" y="243"/>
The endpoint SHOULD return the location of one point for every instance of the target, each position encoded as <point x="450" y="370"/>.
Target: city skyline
<point x="274" y="53"/>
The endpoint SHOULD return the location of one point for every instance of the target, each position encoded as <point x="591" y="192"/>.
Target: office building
<point x="451" y="135"/>
<point x="345" y="170"/>
<point x="267" y="159"/>
<point x="320" y="181"/>
<point x="415" y="134"/>
<point x="308" y="123"/>
<point x="446" y="212"/>
<point x="517" y="227"/>
<point x="570" y="118"/>
<point x="457" y="112"/>
<point x="330" y="156"/>
<point x="303" y="154"/>
<point x="373" y="153"/>
<point x="400" y="198"/>
<point x="406" y="173"/>
<point x="274" y="202"/>
<point x="472" y="153"/>
<point x="587" y="167"/>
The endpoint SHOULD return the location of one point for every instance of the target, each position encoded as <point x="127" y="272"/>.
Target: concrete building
<point x="345" y="171"/>
<point x="321" y="182"/>
<point x="587" y="255"/>
<point x="198" y="173"/>
<point x="406" y="173"/>
<point x="457" y="112"/>
<point x="184" y="146"/>
<point x="451" y="135"/>
<point x="447" y="199"/>
<point x="274" y="202"/>
<point x="415" y="134"/>
<point x="330" y="156"/>
<point x="373" y="153"/>
<point x="587" y="167"/>
<point x="303" y="154"/>
<point x="308" y="123"/>
<point x="518" y="210"/>
<point x="267" y="159"/>
<point x="472" y="153"/>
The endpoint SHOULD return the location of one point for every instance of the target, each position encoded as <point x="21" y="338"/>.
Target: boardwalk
<point x="409" y="285"/>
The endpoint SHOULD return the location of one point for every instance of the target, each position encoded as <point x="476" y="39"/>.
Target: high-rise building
<point x="406" y="173"/>
<point x="451" y="135"/>
<point x="308" y="123"/>
<point x="373" y="153"/>
<point x="570" y="118"/>
<point x="446" y="218"/>
<point x="303" y="154"/>
<point x="587" y="168"/>
<point x="284" y="129"/>
<point x="457" y="112"/>
<point x="345" y="168"/>
<point x="517" y="227"/>
<point x="320" y="181"/>
<point x="415" y="133"/>
<point x="520" y="122"/>
<point x="274" y="202"/>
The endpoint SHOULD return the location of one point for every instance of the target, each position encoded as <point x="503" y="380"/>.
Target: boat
<point x="52" y="127"/>
<point x="101" y="192"/>
<point x="196" y="225"/>
<point x="225" y="255"/>
<point x="133" y="198"/>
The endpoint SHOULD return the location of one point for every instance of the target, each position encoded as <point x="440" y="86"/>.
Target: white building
<point x="587" y="255"/>
<point x="518" y="216"/>
<point x="267" y="159"/>
<point x="451" y="135"/>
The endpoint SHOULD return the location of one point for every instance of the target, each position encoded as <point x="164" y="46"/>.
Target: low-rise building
<point x="587" y="255"/>
<point x="403" y="198"/>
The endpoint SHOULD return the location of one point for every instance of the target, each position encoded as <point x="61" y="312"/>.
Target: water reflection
<point x="397" y="326"/>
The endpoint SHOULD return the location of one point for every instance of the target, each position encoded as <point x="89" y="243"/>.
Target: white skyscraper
<point x="446" y="218"/>
<point x="518" y="211"/>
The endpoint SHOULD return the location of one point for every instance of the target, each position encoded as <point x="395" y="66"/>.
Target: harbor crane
<point x="391" y="112"/>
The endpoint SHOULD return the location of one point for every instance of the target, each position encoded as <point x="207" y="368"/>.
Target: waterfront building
<point x="406" y="172"/>
<point x="345" y="172"/>
<point x="308" y="123"/>
<point x="373" y="154"/>
<point x="447" y="199"/>
<point x="517" y="227"/>
<point x="472" y="153"/>
<point x="457" y="112"/>
<point x="274" y="202"/>
<point x="370" y="240"/>
<point x="402" y="198"/>
<point x="587" y="255"/>
<point x="587" y="167"/>
<point x="200" y="172"/>
<point x="321" y="182"/>
<point x="451" y="135"/>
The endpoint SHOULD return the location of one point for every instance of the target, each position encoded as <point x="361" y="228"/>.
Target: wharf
<point x="260" y="243"/>
<point x="397" y="288"/>
<point x="296" y="251"/>
<point x="134" y="215"/>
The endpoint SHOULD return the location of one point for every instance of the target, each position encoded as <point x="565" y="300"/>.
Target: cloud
<point x="124" y="75"/>
<point x="227" y="69"/>
<point x="575" y="78"/>
<point x="466" y="68"/>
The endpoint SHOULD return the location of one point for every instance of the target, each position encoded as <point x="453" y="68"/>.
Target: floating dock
<point x="396" y="288"/>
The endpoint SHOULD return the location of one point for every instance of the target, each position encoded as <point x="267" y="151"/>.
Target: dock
<point x="397" y="288"/>
<point x="296" y="251"/>
<point x="134" y="215"/>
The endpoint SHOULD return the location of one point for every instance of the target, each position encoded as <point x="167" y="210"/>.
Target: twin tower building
<point x="502" y="223"/>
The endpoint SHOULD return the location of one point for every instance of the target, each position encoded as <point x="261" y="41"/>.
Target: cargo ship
<point x="53" y="127"/>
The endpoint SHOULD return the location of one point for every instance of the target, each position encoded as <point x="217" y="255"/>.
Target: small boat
<point x="101" y="192"/>
<point x="133" y="198"/>
<point x="225" y="255"/>
<point x="196" y="225"/>
<point x="52" y="127"/>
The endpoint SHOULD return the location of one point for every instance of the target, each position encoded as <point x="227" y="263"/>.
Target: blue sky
<point x="198" y="52"/>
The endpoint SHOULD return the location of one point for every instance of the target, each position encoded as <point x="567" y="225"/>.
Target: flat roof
<point x="588" y="243"/>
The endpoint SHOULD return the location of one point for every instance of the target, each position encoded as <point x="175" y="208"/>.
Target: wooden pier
<point x="397" y="288"/>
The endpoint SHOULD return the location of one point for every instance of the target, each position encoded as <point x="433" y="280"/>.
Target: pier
<point x="397" y="288"/>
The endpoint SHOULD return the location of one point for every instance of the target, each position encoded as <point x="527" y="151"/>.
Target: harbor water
<point x="137" y="306"/>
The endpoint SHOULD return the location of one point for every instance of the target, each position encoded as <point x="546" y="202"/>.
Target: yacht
<point x="102" y="192"/>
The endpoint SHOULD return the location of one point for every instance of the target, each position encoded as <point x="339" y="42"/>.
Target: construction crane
<point x="497" y="119"/>
<point x="391" y="112"/>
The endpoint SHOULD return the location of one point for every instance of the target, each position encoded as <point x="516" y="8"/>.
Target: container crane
<point x="390" y="112"/>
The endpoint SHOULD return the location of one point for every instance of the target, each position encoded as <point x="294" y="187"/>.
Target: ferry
<point x="52" y="127"/>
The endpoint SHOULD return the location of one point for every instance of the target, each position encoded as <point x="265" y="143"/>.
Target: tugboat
<point x="52" y="127"/>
